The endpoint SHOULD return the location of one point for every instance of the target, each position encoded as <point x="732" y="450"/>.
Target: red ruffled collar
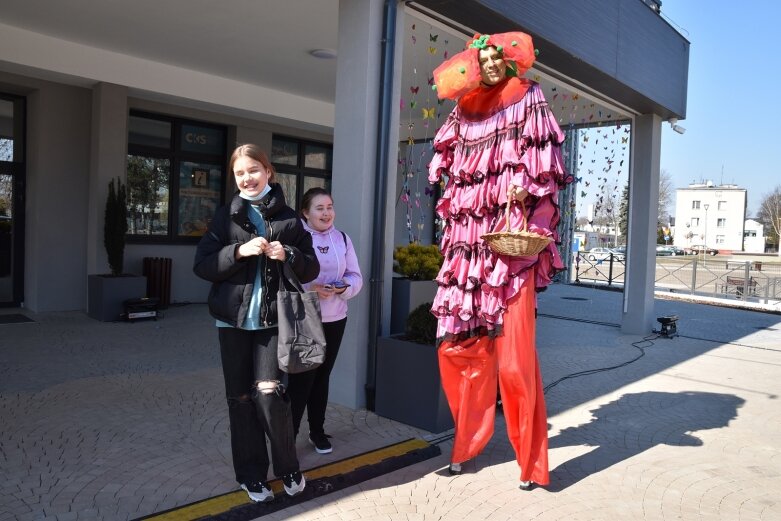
<point x="484" y="101"/>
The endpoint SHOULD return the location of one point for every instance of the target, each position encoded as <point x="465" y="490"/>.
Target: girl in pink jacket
<point x="339" y="280"/>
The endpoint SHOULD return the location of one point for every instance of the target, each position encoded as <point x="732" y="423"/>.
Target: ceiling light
<point x="323" y="54"/>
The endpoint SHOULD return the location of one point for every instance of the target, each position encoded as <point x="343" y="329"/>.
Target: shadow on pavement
<point x="637" y="422"/>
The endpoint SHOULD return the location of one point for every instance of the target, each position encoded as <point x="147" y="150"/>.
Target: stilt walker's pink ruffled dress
<point x="495" y="136"/>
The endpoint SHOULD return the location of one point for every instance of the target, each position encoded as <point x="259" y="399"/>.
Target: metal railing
<point x="753" y="281"/>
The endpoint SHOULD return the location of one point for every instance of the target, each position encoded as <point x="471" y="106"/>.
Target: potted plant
<point x="408" y="383"/>
<point x="418" y="265"/>
<point x="108" y="292"/>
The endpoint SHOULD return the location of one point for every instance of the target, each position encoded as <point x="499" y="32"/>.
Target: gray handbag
<point x="301" y="344"/>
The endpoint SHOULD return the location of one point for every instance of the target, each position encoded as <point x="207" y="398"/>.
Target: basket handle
<point x="524" y="221"/>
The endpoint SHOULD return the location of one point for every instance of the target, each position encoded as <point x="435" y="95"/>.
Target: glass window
<point x="175" y="176"/>
<point x="11" y="130"/>
<point x="199" y="197"/>
<point x="750" y="233"/>
<point x="721" y="222"/>
<point x="300" y="166"/>
<point x="316" y="182"/>
<point x="695" y="205"/>
<point x="719" y="239"/>
<point x="284" y="152"/>
<point x="149" y="132"/>
<point x="147" y="195"/>
<point x="318" y="156"/>
<point x="722" y="205"/>
<point x="205" y="140"/>
<point x="695" y="221"/>
<point x="289" y="184"/>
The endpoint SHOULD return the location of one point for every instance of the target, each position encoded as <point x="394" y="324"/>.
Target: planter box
<point x="106" y="295"/>
<point x="408" y="385"/>
<point x="406" y="295"/>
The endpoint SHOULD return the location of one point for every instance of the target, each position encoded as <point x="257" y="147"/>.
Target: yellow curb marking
<point x="225" y="502"/>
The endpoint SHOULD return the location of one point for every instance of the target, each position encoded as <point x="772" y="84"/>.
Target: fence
<point x="754" y="281"/>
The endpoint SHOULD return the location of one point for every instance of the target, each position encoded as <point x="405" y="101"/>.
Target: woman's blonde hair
<point x="256" y="153"/>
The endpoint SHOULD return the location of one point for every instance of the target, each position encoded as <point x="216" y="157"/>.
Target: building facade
<point x="158" y="96"/>
<point x="712" y="215"/>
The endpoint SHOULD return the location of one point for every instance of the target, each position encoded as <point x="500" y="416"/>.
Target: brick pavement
<point x="116" y="421"/>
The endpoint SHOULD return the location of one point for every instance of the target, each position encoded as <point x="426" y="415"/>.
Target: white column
<point x="638" y="312"/>
<point x="354" y="175"/>
<point x="108" y="160"/>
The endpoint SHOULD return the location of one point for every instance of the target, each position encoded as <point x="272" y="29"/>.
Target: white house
<point x="753" y="237"/>
<point x="710" y="214"/>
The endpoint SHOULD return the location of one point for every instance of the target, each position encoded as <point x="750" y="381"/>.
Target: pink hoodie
<point x="337" y="262"/>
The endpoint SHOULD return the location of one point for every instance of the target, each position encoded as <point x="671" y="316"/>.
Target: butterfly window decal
<point x="429" y="113"/>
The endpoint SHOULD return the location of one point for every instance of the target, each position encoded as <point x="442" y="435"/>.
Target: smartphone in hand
<point x="339" y="284"/>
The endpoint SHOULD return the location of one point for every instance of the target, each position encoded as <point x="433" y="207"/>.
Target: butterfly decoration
<point x="432" y="50"/>
<point x="431" y="80"/>
<point x="624" y="139"/>
<point x="432" y="37"/>
<point x="429" y="191"/>
<point x="323" y="249"/>
<point x="401" y="104"/>
<point x="583" y="193"/>
<point x="444" y="55"/>
<point x="429" y="113"/>
<point x="553" y="89"/>
<point x="414" y="40"/>
<point x="575" y="97"/>
<point x="412" y="104"/>
<point x="415" y="89"/>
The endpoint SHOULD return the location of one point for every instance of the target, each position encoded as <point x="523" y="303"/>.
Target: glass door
<point x="11" y="200"/>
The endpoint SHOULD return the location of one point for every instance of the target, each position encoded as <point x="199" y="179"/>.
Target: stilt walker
<point x="500" y="145"/>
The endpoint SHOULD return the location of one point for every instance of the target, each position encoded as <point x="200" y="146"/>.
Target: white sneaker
<point x="294" y="483"/>
<point x="258" y="491"/>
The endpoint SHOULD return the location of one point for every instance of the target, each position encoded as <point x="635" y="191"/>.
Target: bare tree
<point x="770" y="215"/>
<point x="666" y="191"/>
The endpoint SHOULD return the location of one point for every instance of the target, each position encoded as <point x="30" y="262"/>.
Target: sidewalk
<point x="117" y="421"/>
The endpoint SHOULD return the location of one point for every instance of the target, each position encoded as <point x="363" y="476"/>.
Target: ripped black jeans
<point x="249" y="357"/>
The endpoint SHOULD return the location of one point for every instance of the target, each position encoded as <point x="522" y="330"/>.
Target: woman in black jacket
<point x="240" y="254"/>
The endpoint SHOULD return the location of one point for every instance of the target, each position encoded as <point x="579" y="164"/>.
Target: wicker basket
<point x="519" y="243"/>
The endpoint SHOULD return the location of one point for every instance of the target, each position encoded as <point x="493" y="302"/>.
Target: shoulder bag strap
<point x="286" y="272"/>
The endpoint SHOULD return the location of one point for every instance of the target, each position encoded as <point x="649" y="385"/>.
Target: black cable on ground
<point x="641" y="348"/>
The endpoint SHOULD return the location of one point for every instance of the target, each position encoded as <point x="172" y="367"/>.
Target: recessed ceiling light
<point x="324" y="54"/>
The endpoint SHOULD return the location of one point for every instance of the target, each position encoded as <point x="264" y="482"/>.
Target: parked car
<point x="595" y="254"/>
<point x="701" y="248"/>
<point x="663" y="251"/>
<point x="675" y="250"/>
<point x="619" y="253"/>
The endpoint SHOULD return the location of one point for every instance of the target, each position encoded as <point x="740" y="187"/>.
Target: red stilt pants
<point x="469" y="374"/>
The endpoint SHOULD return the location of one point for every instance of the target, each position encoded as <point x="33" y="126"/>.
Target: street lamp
<point x="706" y="224"/>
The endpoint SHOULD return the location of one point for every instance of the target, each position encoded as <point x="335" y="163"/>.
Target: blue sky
<point x="733" y="109"/>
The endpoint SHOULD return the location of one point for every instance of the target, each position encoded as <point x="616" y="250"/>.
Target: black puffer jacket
<point x="233" y="280"/>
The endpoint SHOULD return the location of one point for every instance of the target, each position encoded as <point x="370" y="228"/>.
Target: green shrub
<point x="421" y="325"/>
<point x="417" y="262"/>
<point x="115" y="226"/>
